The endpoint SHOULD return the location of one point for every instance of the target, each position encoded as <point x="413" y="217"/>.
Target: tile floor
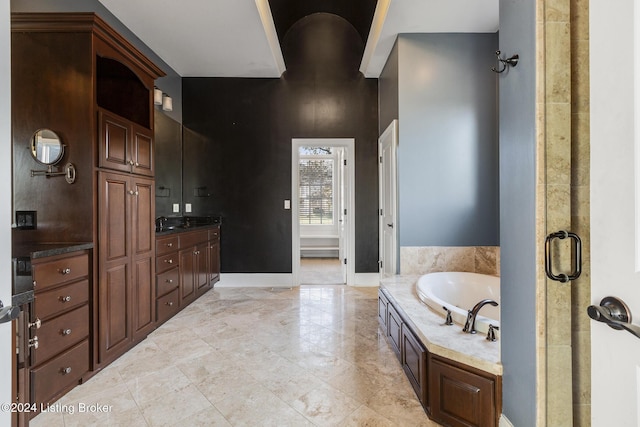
<point x="320" y="271"/>
<point x="307" y="356"/>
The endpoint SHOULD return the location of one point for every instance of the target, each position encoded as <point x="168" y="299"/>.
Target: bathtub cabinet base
<point x="451" y="393"/>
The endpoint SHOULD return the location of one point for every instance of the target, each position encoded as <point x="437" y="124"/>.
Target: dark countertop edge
<point x="42" y="250"/>
<point x="22" y="298"/>
<point x="186" y="229"/>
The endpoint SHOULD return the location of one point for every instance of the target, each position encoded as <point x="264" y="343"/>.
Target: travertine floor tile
<point x="310" y="355"/>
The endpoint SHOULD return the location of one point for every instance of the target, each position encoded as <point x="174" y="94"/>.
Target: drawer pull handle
<point x="65" y="332"/>
<point x="170" y="303"/>
<point x="65" y="371"/>
<point x="169" y="245"/>
<point x="65" y="271"/>
<point x="33" y="343"/>
<point x="131" y="162"/>
<point x="65" y="299"/>
<point x="168" y="261"/>
<point x="35" y="324"/>
<point x="169" y="280"/>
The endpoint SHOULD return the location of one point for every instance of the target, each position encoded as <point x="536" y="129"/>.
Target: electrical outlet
<point x="26" y="220"/>
<point x="187" y="207"/>
<point x="176" y="207"/>
<point x="287" y="204"/>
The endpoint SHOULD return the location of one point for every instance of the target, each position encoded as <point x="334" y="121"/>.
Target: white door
<point x="342" y="216"/>
<point x="615" y="207"/>
<point x="387" y="146"/>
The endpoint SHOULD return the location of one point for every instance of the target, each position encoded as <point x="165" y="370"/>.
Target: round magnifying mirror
<point x="46" y="147"/>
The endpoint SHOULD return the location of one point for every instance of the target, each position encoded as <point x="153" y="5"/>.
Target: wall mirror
<point x="46" y="147"/>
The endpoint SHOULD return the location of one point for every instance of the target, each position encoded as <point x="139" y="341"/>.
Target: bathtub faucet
<point x="470" y="324"/>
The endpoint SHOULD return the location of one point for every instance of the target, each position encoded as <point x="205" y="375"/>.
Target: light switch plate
<point x="187" y="207"/>
<point x="176" y="207"/>
<point x="287" y="204"/>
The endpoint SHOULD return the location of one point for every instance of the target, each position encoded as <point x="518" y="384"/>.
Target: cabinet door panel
<point x="114" y="202"/>
<point x="214" y="261"/>
<point x="143" y="216"/>
<point x="114" y="139"/>
<point x="187" y="276"/>
<point x="142" y="152"/>
<point x="115" y="331"/>
<point x="202" y="253"/>
<point x="394" y="330"/>
<point x="414" y="363"/>
<point x="143" y="297"/>
<point x="383" y="313"/>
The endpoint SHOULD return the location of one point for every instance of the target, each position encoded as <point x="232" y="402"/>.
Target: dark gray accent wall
<point x="448" y="144"/>
<point x="237" y="144"/>
<point x="171" y="83"/>
<point x="517" y="212"/>
<point x="388" y="91"/>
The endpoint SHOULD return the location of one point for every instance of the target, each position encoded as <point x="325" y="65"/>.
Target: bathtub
<point x="459" y="292"/>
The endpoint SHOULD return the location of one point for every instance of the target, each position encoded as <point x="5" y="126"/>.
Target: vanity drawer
<point x="62" y="270"/>
<point x="57" y="300"/>
<point x="166" y="262"/>
<point x="192" y="238"/>
<point x="167" y="281"/>
<point x="60" y="373"/>
<point x="167" y="305"/>
<point x="60" y="333"/>
<point x="167" y="245"/>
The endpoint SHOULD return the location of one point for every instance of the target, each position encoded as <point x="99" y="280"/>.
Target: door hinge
<point x="345" y="261"/>
<point x="345" y="211"/>
<point x="345" y="162"/>
<point x="380" y="212"/>
<point x="380" y="264"/>
<point x="380" y="159"/>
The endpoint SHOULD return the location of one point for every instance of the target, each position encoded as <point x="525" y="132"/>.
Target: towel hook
<point x="506" y="62"/>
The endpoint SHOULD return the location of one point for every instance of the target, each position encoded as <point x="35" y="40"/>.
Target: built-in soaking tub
<point x="459" y="292"/>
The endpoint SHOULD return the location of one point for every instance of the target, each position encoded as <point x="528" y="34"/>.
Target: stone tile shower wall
<point x="418" y="260"/>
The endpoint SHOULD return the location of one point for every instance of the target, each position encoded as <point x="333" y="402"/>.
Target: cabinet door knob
<point x="65" y="298"/>
<point x="170" y="303"/>
<point x="131" y="162"/>
<point x="33" y="342"/>
<point x="35" y="324"/>
<point x="65" y="270"/>
<point x="136" y="192"/>
<point x="131" y="192"/>
<point x="169" y="245"/>
<point x="65" y="332"/>
<point x="169" y="280"/>
<point x="137" y="164"/>
<point x="168" y="261"/>
<point x="65" y="371"/>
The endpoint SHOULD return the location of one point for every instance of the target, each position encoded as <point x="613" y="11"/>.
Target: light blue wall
<point x="448" y="144"/>
<point x="171" y="83"/>
<point x="517" y="212"/>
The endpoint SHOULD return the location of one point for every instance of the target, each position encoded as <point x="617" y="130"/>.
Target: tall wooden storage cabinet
<point x="96" y="92"/>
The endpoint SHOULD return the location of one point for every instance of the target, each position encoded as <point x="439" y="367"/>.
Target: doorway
<point x="322" y="207"/>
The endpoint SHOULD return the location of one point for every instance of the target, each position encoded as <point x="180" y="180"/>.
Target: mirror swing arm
<point x="69" y="172"/>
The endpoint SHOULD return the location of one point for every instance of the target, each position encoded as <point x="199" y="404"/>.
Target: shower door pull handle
<point x="577" y="256"/>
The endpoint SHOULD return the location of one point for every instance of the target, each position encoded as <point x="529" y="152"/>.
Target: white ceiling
<point x="227" y="38"/>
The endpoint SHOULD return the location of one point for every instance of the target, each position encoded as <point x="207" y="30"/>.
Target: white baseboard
<point x="255" y="280"/>
<point x="504" y="422"/>
<point x="280" y="280"/>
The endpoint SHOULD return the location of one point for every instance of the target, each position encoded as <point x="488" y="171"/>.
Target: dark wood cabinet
<point x="451" y="393"/>
<point x="194" y="273"/>
<point x="127" y="261"/>
<point x="59" y="326"/>
<point x="213" y="255"/>
<point x="124" y="145"/>
<point x="414" y="364"/>
<point x="462" y="396"/>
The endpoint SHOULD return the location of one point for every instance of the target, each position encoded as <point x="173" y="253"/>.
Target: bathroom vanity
<point x="454" y="387"/>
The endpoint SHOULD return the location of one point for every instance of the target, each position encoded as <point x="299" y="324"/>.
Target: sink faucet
<point x="160" y="222"/>
<point x="470" y="324"/>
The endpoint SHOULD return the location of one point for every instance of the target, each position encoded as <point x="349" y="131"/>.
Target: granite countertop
<point x="41" y="250"/>
<point x="183" y="224"/>
<point x="446" y="341"/>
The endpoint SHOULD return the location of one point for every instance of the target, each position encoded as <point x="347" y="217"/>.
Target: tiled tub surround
<point x="419" y="260"/>
<point x="446" y="341"/>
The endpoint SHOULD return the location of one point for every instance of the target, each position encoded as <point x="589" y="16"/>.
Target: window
<point x="316" y="191"/>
